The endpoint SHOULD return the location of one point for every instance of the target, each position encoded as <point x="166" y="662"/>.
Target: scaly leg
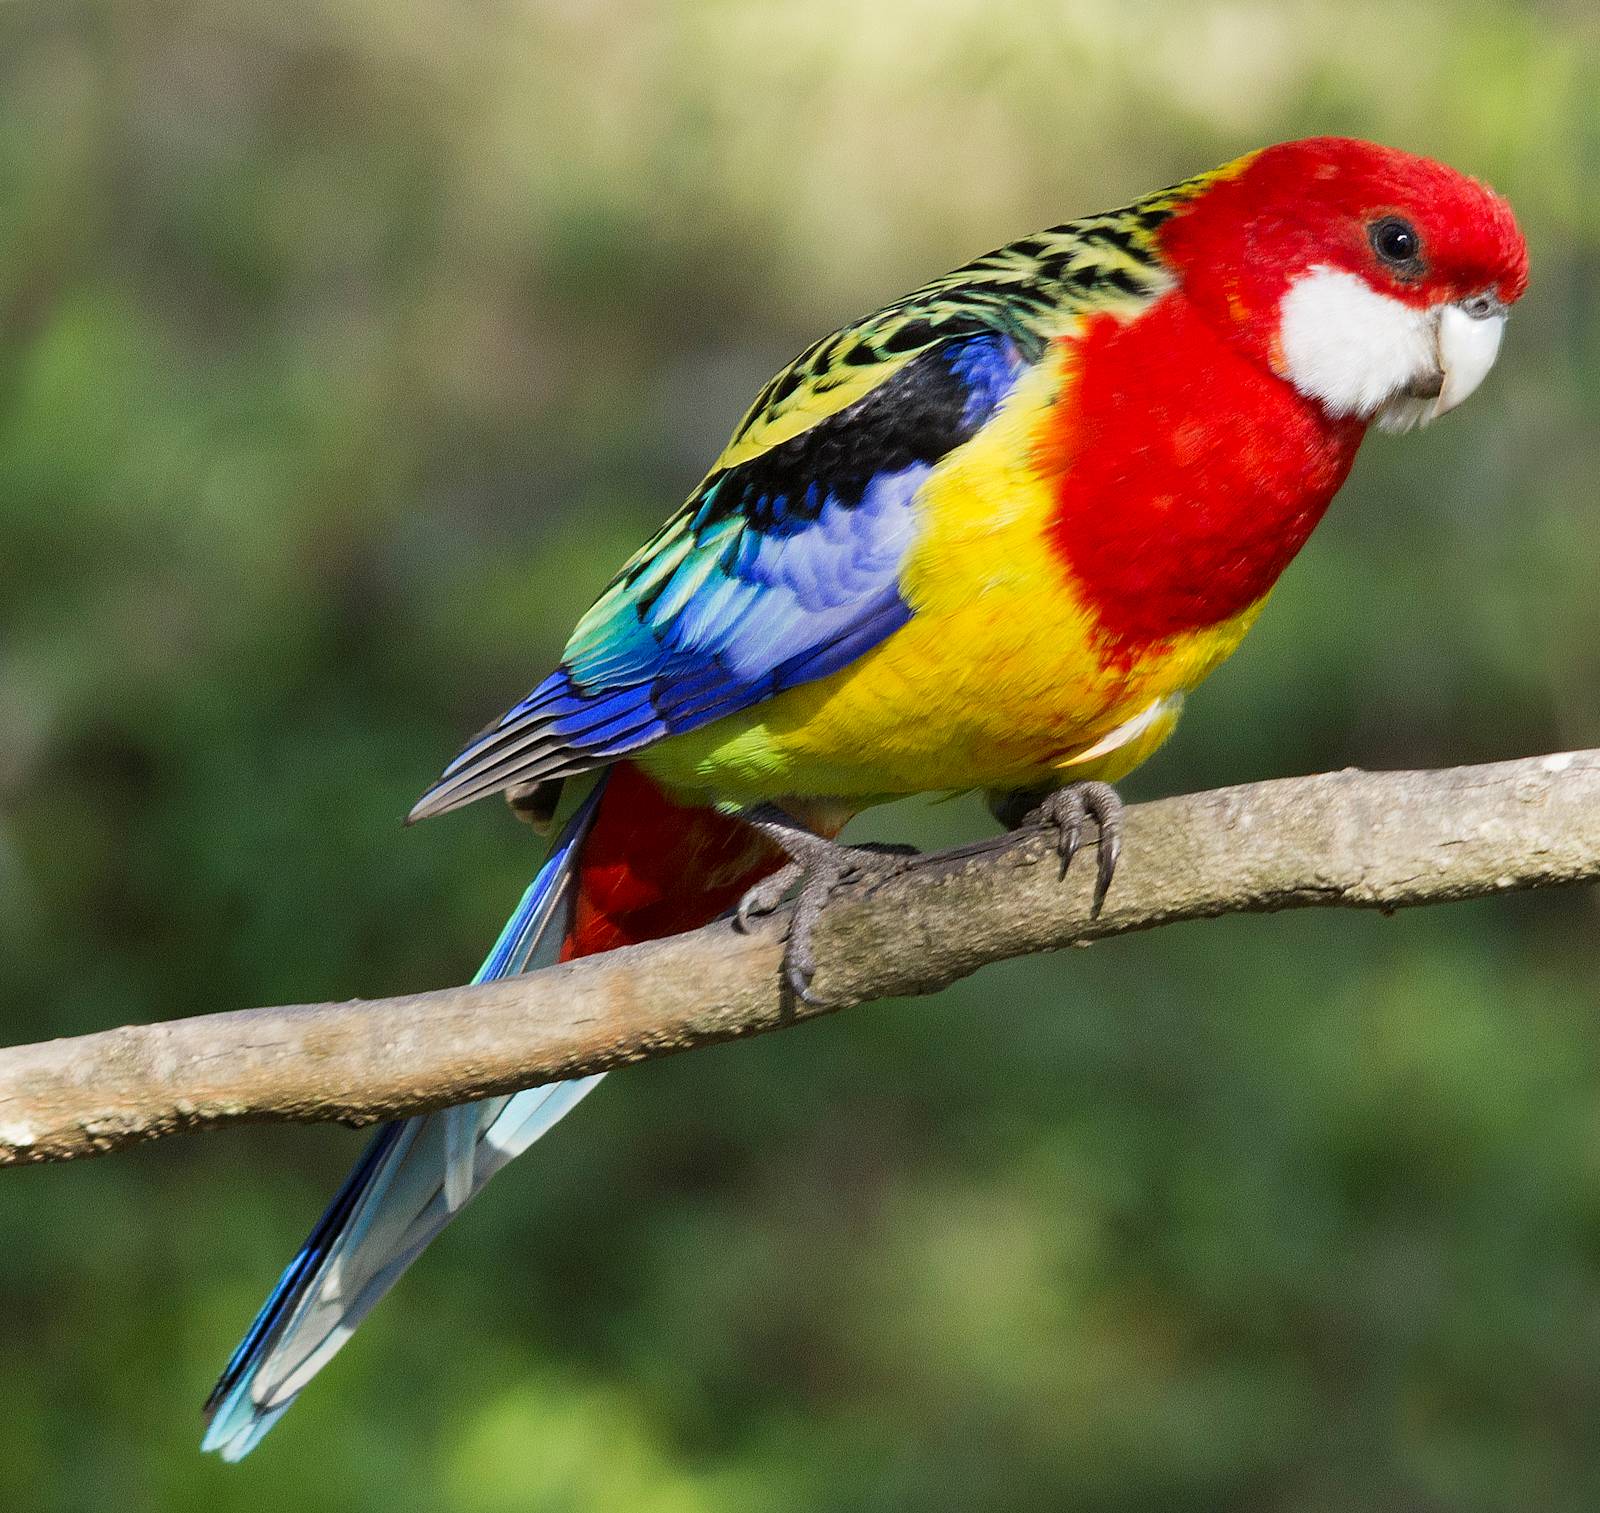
<point x="1064" y="810"/>
<point x="819" y="867"/>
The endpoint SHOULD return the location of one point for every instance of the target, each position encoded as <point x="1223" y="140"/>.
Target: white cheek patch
<point x="1353" y="348"/>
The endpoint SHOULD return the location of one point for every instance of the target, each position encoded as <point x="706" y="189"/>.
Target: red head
<point x="1372" y="280"/>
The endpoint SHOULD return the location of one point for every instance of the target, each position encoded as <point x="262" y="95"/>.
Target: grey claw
<point x="1069" y="822"/>
<point x="1101" y="800"/>
<point x="798" y="979"/>
<point x="765" y="896"/>
<point x="1110" y="848"/>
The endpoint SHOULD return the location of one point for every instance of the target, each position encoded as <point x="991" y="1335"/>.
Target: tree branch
<point x="1349" y="839"/>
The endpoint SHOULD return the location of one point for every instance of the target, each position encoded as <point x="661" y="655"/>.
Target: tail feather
<point x="414" y="1176"/>
<point x="630" y="865"/>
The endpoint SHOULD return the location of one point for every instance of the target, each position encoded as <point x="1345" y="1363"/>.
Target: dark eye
<point x="1396" y="241"/>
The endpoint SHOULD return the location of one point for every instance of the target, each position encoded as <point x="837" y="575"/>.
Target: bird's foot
<point x="1064" y="810"/>
<point x="817" y="868"/>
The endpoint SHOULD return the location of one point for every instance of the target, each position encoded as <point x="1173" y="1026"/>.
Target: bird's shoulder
<point x="1027" y="292"/>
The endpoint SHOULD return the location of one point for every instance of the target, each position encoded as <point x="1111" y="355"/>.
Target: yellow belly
<point x="996" y="681"/>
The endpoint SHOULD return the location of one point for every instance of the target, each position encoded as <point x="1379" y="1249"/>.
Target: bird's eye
<point x="1396" y="241"/>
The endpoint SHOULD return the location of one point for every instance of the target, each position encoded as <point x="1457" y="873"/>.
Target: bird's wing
<point x="783" y="566"/>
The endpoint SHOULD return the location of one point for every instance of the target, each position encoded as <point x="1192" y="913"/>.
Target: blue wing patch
<point x="779" y="571"/>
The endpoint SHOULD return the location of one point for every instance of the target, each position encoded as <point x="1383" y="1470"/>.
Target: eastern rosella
<point x="985" y="538"/>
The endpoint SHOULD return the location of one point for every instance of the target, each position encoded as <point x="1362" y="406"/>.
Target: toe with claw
<point x="817" y="869"/>
<point x="1064" y="810"/>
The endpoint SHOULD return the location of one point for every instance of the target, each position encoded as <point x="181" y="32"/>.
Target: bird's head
<point x="1374" y="281"/>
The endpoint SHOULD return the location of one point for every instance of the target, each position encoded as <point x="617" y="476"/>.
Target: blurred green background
<point x="347" y="348"/>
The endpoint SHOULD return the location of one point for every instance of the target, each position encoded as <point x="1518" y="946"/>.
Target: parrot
<point x="985" y="539"/>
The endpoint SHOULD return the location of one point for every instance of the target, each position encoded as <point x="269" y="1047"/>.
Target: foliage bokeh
<point x="345" y="350"/>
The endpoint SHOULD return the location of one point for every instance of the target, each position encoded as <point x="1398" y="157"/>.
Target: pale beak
<point x="1469" y="342"/>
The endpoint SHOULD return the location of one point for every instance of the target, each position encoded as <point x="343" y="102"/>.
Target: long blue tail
<point x="413" y="1178"/>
